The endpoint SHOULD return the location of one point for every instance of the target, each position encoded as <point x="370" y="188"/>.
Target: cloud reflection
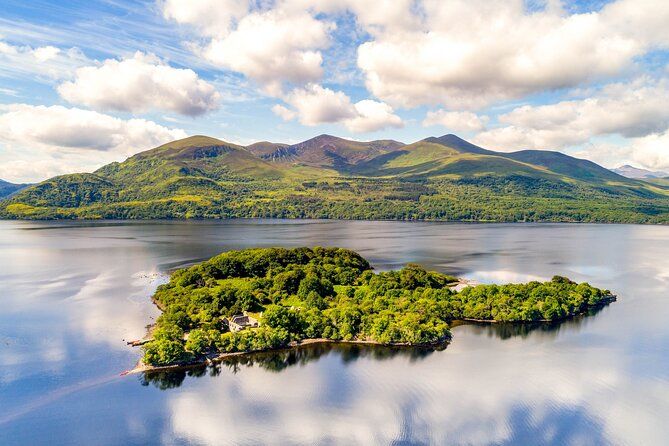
<point x="551" y="394"/>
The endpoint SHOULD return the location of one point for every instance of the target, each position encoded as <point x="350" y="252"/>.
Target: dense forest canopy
<point x="332" y="293"/>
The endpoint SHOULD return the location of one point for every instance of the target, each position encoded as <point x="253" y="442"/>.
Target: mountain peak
<point x="323" y="138"/>
<point x="192" y="147"/>
<point x="324" y="151"/>
<point x="195" y="141"/>
<point x="638" y="173"/>
<point x="459" y="144"/>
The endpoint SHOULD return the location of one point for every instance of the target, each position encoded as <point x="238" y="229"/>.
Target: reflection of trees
<point x="508" y="330"/>
<point x="174" y="378"/>
<point x="277" y="361"/>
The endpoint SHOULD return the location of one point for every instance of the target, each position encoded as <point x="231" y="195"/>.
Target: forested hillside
<point x="443" y="178"/>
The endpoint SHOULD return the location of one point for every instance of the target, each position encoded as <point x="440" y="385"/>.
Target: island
<point x="253" y="300"/>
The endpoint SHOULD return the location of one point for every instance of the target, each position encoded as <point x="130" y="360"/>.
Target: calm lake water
<point x="72" y="292"/>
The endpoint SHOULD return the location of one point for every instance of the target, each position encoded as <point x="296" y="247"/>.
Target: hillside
<point x="7" y="188"/>
<point x="437" y="178"/>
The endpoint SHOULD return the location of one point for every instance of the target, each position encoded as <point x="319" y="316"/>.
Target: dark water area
<point x="72" y="293"/>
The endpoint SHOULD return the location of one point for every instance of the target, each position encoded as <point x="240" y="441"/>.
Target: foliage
<point x="202" y="177"/>
<point x="332" y="293"/>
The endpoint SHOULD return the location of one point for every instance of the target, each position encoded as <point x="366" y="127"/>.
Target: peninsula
<point x="261" y="299"/>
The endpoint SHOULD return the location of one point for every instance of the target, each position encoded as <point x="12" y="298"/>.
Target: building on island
<point x="239" y="322"/>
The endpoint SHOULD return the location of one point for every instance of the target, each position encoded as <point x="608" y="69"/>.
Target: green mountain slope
<point x="447" y="156"/>
<point x="444" y="178"/>
<point x="566" y="165"/>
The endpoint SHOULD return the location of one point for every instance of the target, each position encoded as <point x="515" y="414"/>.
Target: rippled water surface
<point x="71" y="293"/>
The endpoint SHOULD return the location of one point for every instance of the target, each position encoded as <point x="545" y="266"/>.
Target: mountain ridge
<point x="440" y="178"/>
<point x="324" y="151"/>
<point x="7" y="188"/>
<point x="638" y="173"/>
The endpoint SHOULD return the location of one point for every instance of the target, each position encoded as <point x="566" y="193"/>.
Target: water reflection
<point x="546" y="329"/>
<point x="277" y="361"/>
<point x="73" y="291"/>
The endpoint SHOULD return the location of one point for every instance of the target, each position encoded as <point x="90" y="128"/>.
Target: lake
<point x="72" y="293"/>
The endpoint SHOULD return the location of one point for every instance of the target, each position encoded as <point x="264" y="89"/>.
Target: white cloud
<point x="470" y="53"/>
<point x="633" y="109"/>
<point x="44" y="53"/>
<point x="210" y="17"/>
<point x="53" y="63"/>
<point x="651" y="151"/>
<point x="283" y="112"/>
<point x="271" y="45"/>
<point x="456" y="121"/>
<point x="6" y="48"/>
<point x="139" y="84"/>
<point x="69" y="139"/>
<point x="315" y="105"/>
<point x="372" y="116"/>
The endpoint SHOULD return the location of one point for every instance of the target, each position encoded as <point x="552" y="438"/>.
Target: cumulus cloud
<point x="69" y="139"/>
<point x="315" y="105"/>
<point x="6" y="48"/>
<point x="284" y="112"/>
<point x="635" y="109"/>
<point x="372" y="116"/>
<point x="138" y="84"/>
<point x="462" y="54"/>
<point x="271" y="46"/>
<point x="44" y="53"/>
<point x="468" y="54"/>
<point x="651" y="151"/>
<point x="456" y="121"/>
<point x="46" y="63"/>
<point x="210" y="17"/>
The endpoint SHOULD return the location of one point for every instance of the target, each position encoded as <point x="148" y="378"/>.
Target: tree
<point x="164" y="352"/>
<point x="198" y="342"/>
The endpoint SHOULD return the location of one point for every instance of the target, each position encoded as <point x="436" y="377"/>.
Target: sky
<point x="84" y="82"/>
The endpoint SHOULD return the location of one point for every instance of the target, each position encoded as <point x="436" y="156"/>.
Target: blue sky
<point x="83" y="83"/>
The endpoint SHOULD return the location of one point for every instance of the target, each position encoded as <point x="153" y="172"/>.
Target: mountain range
<point x="437" y="178"/>
<point x="637" y="173"/>
<point x="7" y="188"/>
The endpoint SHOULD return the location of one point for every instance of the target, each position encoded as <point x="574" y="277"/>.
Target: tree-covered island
<point x="262" y="299"/>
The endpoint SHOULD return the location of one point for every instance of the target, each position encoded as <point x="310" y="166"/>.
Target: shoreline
<point x="214" y="358"/>
<point x="323" y="219"/>
<point x="603" y="303"/>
